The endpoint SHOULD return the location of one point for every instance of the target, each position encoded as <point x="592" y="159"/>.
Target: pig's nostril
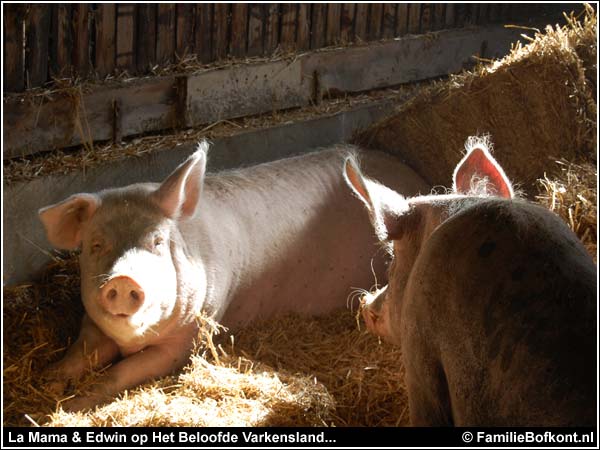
<point x="135" y="295"/>
<point x="111" y="294"/>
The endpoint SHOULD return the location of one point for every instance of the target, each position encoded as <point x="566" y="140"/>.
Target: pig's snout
<point x="375" y="312"/>
<point x="121" y="296"/>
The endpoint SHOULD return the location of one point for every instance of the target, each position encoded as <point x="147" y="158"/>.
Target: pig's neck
<point x="407" y="250"/>
<point x="212" y="239"/>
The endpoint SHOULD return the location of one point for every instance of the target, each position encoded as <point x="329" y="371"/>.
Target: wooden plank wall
<point x="46" y="41"/>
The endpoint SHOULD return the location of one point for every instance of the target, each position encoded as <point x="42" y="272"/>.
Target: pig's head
<point x="131" y="250"/>
<point x="408" y="222"/>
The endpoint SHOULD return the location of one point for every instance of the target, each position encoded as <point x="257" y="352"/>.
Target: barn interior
<point x="99" y="95"/>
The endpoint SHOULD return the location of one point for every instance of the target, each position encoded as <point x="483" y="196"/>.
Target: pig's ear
<point x="64" y="221"/>
<point x="357" y="183"/>
<point x="384" y="205"/>
<point x="478" y="163"/>
<point x="180" y="193"/>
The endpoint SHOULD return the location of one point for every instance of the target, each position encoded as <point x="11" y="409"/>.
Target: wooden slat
<point x="165" y="33"/>
<point x="81" y="39"/>
<point x="317" y="26"/>
<point x="105" y="38"/>
<point x="41" y="123"/>
<point x="303" y="35"/>
<point x="461" y="14"/>
<point x="14" y="71"/>
<point x="439" y="11"/>
<point x="256" y="19"/>
<point x="450" y="19"/>
<point x="61" y="48"/>
<point x="332" y="36"/>
<point x="506" y="12"/>
<point x="146" y="36"/>
<point x="494" y="12"/>
<point x="360" y="21"/>
<point x="37" y="44"/>
<point x="402" y="19"/>
<point x="482" y="19"/>
<point x="389" y="20"/>
<point x="271" y="28"/>
<point x="426" y="19"/>
<point x="239" y="29"/>
<point x="472" y="13"/>
<point x="126" y="37"/>
<point x="184" y="41"/>
<point x="289" y="17"/>
<point x="203" y="31"/>
<point x="220" y="41"/>
<point x="414" y="18"/>
<point x="375" y="19"/>
<point x="347" y="22"/>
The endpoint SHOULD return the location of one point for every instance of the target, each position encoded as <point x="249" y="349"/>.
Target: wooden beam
<point x="41" y="123"/>
<point x="245" y="90"/>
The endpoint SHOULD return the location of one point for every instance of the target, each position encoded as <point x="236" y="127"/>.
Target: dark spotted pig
<point x="492" y="299"/>
<point x="242" y="245"/>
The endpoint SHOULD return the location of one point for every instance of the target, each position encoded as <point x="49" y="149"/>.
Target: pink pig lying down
<point x="286" y="236"/>
<point x="492" y="299"/>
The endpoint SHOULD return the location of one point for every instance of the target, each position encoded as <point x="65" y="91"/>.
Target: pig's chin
<point x="140" y="328"/>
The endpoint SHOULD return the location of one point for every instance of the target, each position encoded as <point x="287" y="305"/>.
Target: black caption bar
<point x="298" y="437"/>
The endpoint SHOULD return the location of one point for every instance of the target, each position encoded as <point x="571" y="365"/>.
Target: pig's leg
<point x="152" y="362"/>
<point x="92" y="350"/>
<point x="428" y="397"/>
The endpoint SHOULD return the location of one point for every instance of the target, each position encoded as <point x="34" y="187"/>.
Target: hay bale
<point x="536" y="103"/>
<point x="572" y="195"/>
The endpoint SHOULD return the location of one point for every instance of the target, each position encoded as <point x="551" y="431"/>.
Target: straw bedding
<point x="539" y="106"/>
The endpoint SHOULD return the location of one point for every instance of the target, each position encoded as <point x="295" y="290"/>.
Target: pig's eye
<point x="96" y="247"/>
<point x="158" y="241"/>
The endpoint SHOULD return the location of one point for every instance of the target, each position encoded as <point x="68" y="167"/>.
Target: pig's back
<point x="304" y="239"/>
<point x="506" y="294"/>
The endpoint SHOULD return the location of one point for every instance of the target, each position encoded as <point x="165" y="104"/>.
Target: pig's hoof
<point x="56" y="387"/>
<point x="79" y="404"/>
<point x="53" y="384"/>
